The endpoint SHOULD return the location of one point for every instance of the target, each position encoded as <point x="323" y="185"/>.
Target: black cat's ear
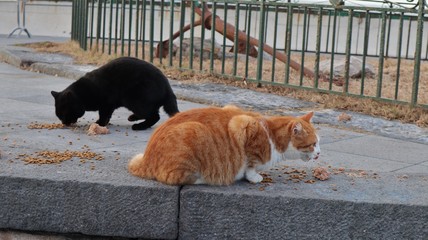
<point x="54" y="94"/>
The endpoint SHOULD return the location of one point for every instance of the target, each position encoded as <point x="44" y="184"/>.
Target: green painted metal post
<point x="418" y="50"/>
<point x="137" y="26"/>
<point x="110" y="27"/>
<point x="201" y="58"/>
<point x="152" y="30"/>
<point x="171" y="33"/>
<point x="223" y="55"/>
<point x="192" y="32"/>
<point x="162" y="13"/>
<point x="381" y="56"/>
<point x="236" y="42"/>
<point x="400" y="42"/>
<point x="348" y="50"/>
<point x="318" y="48"/>
<point x="259" y="72"/>
<point x="288" y="46"/>
<point x="275" y="34"/>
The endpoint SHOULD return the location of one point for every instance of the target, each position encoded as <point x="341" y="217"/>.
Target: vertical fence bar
<point x="236" y="42"/>
<point x="201" y="59"/>
<point x="366" y="46"/>
<point x="104" y="27"/>
<point x="99" y="16"/>
<point x="143" y="29"/>
<point x="260" y="46"/>
<point x="129" y="28"/>
<point x="223" y="55"/>
<point x="122" y="28"/>
<point x="381" y="55"/>
<point x="84" y="35"/>
<point x="328" y="31"/>
<point x="389" y="34"/>
<point x="91" y="36"/>
<point x="302" y="59"/>
<point x="75" y="6"/>
<point x="348" y="50"/>
<point x="192" y="33"/>
<point x="171" y="33"/>
<point x="116" y="29"/>
<point x="110" y="27"/>
<point x="400" y="42"/>
<point x="318" y="48"/>
<point x="418" y="50"/>
<point x="137" y="26"/>
<point x="247" y="39"/>
<point x="214" y="7"/>
<point x="333" y="45"/>
<point x="161" y="30"/>
<point x="182" y="18"/>
<point x="152" y="30"/>
<point x="408" y="36"/>
<point x="288" y="48"/>
<point x="275" y="34"/>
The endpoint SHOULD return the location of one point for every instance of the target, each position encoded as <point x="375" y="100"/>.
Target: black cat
<point x="123" y="82"/>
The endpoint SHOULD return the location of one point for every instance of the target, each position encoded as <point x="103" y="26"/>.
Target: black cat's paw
<point x="140" y="126"/>
<point x="133" y="118"/>
<point x="102" y="123"/>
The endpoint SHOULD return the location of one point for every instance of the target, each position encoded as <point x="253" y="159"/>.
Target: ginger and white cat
<point x="218" y="146"/>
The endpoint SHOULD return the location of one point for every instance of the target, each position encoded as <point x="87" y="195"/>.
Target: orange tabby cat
<point x="218" y="146"/>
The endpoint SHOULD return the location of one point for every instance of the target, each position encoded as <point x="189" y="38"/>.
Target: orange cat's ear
<point x="297" y="128"/>
<point x="307" y="117"/>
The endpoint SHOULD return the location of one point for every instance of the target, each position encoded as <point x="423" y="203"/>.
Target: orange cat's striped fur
<point x="221" y="145"/>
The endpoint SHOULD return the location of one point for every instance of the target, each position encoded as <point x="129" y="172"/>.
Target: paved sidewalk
<point x="378" y="188"/>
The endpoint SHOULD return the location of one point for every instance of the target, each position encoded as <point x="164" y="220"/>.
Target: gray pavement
<point x="377" y="190"/>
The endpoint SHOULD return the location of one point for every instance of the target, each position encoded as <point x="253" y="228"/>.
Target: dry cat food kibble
<point x="343" y="117"/>
<point x="95" y="129"/>
<point x="51" y="157"/>
<point x="321" y="173"/>
<point x="45" y="125"/>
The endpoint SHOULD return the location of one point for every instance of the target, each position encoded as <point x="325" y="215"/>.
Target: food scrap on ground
<point x="95" y="129"/>
<point x="343" y="117"/>
<point x="321" y="173"/>
<point x="49" y="126"/>
<point x="52" y="157"/>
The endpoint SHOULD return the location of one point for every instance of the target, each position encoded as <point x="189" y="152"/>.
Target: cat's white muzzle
<point x="307" y="156"/>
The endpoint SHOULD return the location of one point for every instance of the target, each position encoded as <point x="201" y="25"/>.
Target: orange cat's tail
<point x="135" y="166"/>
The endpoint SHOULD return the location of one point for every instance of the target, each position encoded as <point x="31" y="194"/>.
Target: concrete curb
<point x="311" y="212"/>
<point x="89" y="208"/>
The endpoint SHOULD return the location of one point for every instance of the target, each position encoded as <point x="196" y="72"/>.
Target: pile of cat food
<point x="95" y="129"/>
<point x="321" y="173"/>
<point x="52" y="157"/>
<point x="343" y="117"/>
<point x="287" y="174"/>
<point x="49" y="126"/>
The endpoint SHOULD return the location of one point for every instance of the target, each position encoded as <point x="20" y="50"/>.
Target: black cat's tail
<point x="170" y="105"/>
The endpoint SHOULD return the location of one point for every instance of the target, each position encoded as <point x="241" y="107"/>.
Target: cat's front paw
<point x="102" y="123"/>
<point x="253" y="177"/>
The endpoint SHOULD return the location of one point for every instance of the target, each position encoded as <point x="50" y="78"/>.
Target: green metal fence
<point x="282" y="43"/>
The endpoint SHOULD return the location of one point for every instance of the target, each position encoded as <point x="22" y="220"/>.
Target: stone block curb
<point x="340" y="208"/>
<point x="90" y="208"/>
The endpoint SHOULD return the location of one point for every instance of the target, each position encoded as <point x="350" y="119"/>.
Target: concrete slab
<point x="382" y="148"/>
<point x="343" y="207"/>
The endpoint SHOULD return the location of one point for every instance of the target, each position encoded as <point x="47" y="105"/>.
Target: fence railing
<point x="375" y="51"/>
